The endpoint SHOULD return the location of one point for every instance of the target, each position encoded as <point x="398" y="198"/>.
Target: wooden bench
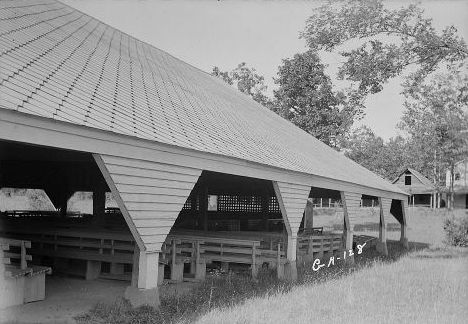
<point x="92" y="247"/>
<point x="22" y="283"/>
<point x="310" y="247"/>
<point x="313" y="230"/>
<point x="178" y="251"/>
<point x="241" y="251"/>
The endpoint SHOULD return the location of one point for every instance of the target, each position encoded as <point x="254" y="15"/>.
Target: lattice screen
<point x="239" y="203"/>
<point x="273" y="206"/>
<point x="232" y="203"/>
<point x="192" y="200"/>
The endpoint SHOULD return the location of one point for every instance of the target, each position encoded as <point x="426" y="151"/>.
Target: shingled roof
<point x="425" y="181"/>
<point x="59" y="63"/>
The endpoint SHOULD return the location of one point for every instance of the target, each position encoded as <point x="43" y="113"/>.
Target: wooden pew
<point x="95" y="247"/>
<point x="236" y="250"/>
<point x="177" y="251"/>
<point x="23" y="283"/>
<point x="310" y="247"/>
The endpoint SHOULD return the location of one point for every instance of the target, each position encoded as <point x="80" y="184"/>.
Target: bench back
<point x="79" y="244"/>
<point x="318" y="243"/>
<point x="15" y="250"/>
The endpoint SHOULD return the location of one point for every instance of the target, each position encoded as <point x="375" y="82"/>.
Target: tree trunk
<point x="452" y="178"/>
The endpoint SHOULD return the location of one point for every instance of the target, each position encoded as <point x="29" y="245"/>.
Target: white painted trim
<point x="284" y="214"/>
<point x="26" y="128"/>
<point x="115" y="193"/>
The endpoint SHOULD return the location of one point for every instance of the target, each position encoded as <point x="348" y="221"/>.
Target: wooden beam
<point x="20" y="127"/>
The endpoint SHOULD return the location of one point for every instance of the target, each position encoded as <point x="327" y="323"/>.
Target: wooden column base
<point x="290" y="271"/>
<point x="200" y="271"/>
<point x="160" y="274"/>
<point x="225" y="266"/>
<point x="404" y="242"/>
<point x="93" y="269"/>
<point x="381" y="247"/>
<point x="348" y="237"/>
<point x="177" y="271"/>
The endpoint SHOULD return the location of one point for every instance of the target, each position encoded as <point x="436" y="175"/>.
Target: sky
<point x="207" y="33"/>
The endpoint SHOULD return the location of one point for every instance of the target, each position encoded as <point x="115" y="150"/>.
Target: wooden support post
<point x="290" y="269"/>
<point x="265" y="212"/>
<point x="145" y="269"/>
<point x="204" y="208"/>
<point x="93" y="269"/>
<point x="117" y="268"/>
<point x="99" y="203"/>
<point x="385" y="205"/>
<point x="351" y="207"/>
<point x="200" y="264"/>
<point x="292" y="205"/>
<point x="177" y="268"/>
<point x="309" y="214"/>
<point x="225" y="266"/>
<point x="160" y="273"/>
<point x="145" y="279"/>
<point x="24" y="263"/>
<point x="403" y="236"/>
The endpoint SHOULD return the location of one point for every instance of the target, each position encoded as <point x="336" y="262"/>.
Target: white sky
<point x="224" y="33"/>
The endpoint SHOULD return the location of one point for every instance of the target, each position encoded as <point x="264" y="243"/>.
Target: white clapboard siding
<point x="150" y="194"/>
<point x="351" y="207"/>
<point x="292" y="199"/>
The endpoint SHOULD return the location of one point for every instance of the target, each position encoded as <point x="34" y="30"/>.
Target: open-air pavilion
<point x="200" y="172"/>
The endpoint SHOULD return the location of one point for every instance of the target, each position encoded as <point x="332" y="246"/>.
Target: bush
<point x="456" y="230"/>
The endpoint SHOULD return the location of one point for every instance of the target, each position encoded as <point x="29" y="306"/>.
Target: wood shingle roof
<point x="59" y="63"/>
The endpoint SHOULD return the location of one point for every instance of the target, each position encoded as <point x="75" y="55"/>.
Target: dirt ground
<point x="68" y="297"/>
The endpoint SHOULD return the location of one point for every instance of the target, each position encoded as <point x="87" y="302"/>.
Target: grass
<point x="428" y="284"/>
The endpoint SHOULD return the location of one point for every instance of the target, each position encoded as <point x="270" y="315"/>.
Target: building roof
<point x="59" y="63"/>
<point x="429" y="186"/>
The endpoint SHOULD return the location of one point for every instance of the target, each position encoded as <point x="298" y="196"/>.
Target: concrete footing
<point x="142" y="297"/>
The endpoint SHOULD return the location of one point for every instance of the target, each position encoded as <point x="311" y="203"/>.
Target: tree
<point x="436" y="118"/>
<point x="389" y="41"/>
<point x="247" y="81"/>
<point x="387" y="159"/>
<point x="305" y="96"/>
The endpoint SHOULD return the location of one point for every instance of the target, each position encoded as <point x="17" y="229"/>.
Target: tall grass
<point x="427" y="285"/>
<point x="222" y="291"/>
<point x="422" y="287"/>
